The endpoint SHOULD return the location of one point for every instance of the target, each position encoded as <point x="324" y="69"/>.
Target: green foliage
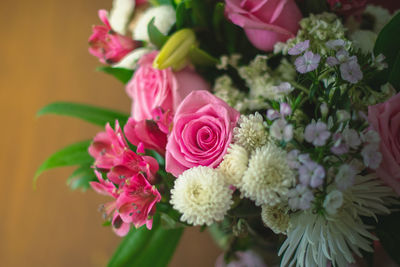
<point x="74" y="154"/>
<point x="156" y="37"/>
<point x="142" y="247"/>
<point x="183" y="18"/>
<point x="200" y="57"/>
<point x="95" y="115"/>
<point x="122" y="74"/>
<point x="81" y="177"/>
<point x="388" y="44"/>
<point x="388" y="233"/>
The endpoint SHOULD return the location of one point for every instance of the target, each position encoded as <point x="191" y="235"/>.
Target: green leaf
<point x="95" y="115"/>
<point x="389" y="235"/>
<point x="142" y="247"/>
<point x="200" y="13"/>
<point x="156" y="37"/>
<point x="182" y="16"/>
<point x="394" y="76"/>
<point x="122" y="74"/>
<point x="71" y="155"/>
<point x="201" y="57"/>
<point x="387" y="44"/>
<point x="81" y="177"/>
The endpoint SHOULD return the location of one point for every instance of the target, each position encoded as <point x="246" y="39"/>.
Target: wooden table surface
<point x="44" y="58"/>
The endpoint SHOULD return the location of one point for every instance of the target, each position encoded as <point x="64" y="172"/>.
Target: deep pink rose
<point x="201" y="134"/>
<point x="347" y="7"/>
<point x="109" y="46"/>
<point x="385" y="119"/>
<point x="152" y="88"/>
<point x="265" y="22"/>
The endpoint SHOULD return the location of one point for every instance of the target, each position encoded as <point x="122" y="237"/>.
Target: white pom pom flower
<point x="234" y="164"/>
<point x="268" y="177"/>
<point x="201" y="195"/>
<point x="251" y="132"/>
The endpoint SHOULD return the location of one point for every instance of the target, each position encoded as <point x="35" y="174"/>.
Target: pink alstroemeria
<point x="106" y="44"/>
<point x="136" y="203"/>
<point x="108" y="147"/>
<point x="130" y="165"/>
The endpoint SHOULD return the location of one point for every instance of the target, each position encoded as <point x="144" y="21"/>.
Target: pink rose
<point x="201" y="134"/>
<point x="385" y="119"/>
<point x="152" y="88"/>
<point x="265" y="22"/>
<point x="109" y="46"/>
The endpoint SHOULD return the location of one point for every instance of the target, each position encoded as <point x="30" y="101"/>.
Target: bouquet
<point x="274" y="124"/>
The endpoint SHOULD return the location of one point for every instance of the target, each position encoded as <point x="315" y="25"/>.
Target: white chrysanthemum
<point x="370" y="196"/>
<point x="131" y="59"/>
<point x="121" y="14"/>
<point x="276" y="218"/>
<point x="251" y="132"/>
<point x="268" y="177"/>
<point x="234" y="164"/>
<point x="165" y="18"/>
<point x="364" y="40"/>
<point x="314" y="239"/>
<point x="201" y="195"/>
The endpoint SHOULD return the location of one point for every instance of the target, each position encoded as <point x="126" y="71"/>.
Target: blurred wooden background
<point x="44" y="58"/>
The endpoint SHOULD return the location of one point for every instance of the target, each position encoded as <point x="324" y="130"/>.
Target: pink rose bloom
<point x="201" y="134"/>
<point x="152" y="88"/>
<point x="385" y="119"/>
<point x="265" y="22"/>
<point x="109" y="46"/>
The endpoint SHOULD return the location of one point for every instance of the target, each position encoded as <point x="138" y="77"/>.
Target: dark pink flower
<point x="385" y="119"/>
<point x="106" y="44"/>
<point x="113" y="155"/>
<point x="201" y="134"/>
<point x="347" y="7"/>
<point x="146" y="132"/>
<point x="265" y="22"/>
<point x="136" y="203"/>
<point x="107" y="147"/>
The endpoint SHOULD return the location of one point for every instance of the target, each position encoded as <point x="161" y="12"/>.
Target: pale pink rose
<point x="106" y="44"/>
<point x="152" y="88"/>
<point x="385" y="119"/>
<point x="265" y="22"/>
<point x="201" y="134"/>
